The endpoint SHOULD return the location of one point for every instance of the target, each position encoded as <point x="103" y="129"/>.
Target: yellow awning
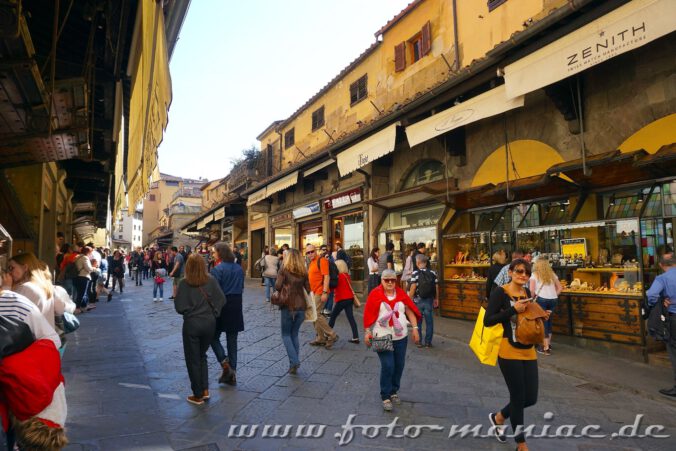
<point x="256" y="197"/>
<point x="150" y="97"/>
<point x="283" y="183"/>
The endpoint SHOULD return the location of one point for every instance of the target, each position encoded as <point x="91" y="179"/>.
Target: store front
<point x="346" y="226"/>
<point x="282" y="229"/>
<point x="604" y="246"/>
<point x="310" y="228"/>
<point x="408" y="226"/>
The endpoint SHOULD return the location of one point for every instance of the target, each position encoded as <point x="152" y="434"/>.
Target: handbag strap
<point x="208" y="299"/>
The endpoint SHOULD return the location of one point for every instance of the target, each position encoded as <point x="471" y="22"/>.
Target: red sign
<point x="341" y="200"/>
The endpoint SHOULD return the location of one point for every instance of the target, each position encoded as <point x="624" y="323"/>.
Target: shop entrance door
<point x="257" y="240"/>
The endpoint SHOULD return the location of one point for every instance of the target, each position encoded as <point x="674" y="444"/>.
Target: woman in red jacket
<point x="344" y="297"/>
<point x="388" y="312"/>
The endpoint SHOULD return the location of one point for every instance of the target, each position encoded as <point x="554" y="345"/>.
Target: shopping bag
<point x="311" y="309"/>
<point x="485" y="341"/>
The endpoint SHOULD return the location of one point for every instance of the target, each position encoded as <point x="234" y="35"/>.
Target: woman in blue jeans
<point x="545" y="286"/>
<point x="388" y="312"/>
<point x="292" y="284"/>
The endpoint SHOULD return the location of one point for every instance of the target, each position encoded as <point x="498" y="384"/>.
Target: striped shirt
<point x="13" y="305"/>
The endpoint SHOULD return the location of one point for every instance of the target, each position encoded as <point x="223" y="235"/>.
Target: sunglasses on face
<point x="309" y="252"/>
<point x="521" y="272"/>
<point x="389" y="280"/>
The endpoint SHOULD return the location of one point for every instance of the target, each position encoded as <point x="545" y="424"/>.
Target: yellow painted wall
<point x="529" y="157"/>
<point x="478" y="31"/>
<point x="653" y="136"/>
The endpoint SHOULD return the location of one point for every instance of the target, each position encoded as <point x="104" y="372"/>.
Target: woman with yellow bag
<point x="517" y="361"/>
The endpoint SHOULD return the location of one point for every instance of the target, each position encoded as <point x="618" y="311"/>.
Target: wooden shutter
<point x="426" y="44"/>
<point x="400" y="57"/>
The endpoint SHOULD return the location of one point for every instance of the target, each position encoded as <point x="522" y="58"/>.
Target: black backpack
<point x="333" y="273"/>
<point x="426" y="286"/>
<point x="342" y="255"/>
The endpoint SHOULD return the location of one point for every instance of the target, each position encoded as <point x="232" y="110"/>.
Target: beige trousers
<point x="322" y="328"/>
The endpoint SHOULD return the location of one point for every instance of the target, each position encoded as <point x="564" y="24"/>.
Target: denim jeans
<point x="291" y="322"/>
<point x="160" y="287"/>
<point x="329" y="302"/>
<point x="547" y="304"/>
<point x="217" y="347"/>
<point x="347" y="306"/>
<point x="426" y="307"/>
<point x="391" y="368"/>
<point x="269" y="286"/>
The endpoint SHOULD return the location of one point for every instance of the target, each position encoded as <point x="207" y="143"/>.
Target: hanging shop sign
<point x="284" y="217"/>
<point x="307" y="210"/>
<point x="574" y="246"/>
<point x="626" y="28"/>
<point x="343" y="199"/>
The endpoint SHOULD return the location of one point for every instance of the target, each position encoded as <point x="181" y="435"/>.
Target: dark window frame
<point x="415" y="43"/>
<point x="492" y="4"/>
<point x="317" y="121"/>
<point x="359" y="90"/>
<point x="290" y="138"/>
<point x="308" y="186"/>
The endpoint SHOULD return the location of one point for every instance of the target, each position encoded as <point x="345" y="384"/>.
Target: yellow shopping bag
<point x="485" y="341"/>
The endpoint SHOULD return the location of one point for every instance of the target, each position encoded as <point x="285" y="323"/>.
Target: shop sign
<point x="624" y="29"/>
<point x="341" y="200"/>
<point x="574" y="246"/>
<point x="219" y="214"/>
<point x="284" y="217"/>
<point x="307" y="210"/>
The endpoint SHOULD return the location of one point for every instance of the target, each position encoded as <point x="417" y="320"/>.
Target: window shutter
<point x="426" y="45"/>
<point x="400" y="57"/>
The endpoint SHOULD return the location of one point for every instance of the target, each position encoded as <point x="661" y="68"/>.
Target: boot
<point x="225" y="377"/>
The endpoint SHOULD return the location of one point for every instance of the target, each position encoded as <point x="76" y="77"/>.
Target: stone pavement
<point x="127" y="383"/>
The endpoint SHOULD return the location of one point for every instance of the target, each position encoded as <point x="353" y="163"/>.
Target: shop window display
<point x="349" y="231"/>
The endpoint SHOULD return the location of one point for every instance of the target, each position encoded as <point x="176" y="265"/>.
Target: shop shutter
<point x="400" y="57"/>
<point x="426" y="45"/>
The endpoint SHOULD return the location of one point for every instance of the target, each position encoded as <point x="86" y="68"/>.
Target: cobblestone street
<point x="127" y="383"/>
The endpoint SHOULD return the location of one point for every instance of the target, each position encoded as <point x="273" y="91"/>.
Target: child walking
<point x="160" y="275"/>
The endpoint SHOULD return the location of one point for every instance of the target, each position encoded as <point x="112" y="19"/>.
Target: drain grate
<point x="208" y="447"/>
<point x="597" y="388"/>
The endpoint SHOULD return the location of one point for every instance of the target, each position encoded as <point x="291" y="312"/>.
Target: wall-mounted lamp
<point x="612" y="200"/>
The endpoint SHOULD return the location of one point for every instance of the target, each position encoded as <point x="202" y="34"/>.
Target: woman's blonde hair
<point x="293" y="263"/>
<point x="342" y="267"/>
<point x="196" y="271"/>
<point x="544" y="271"/>
<point x="34" y="435"/>
<point x="37" y="272"/>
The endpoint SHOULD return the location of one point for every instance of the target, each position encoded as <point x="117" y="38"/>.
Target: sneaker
<point x="160" y="299"/>
<point x="355" y="341"/>
<point x="90" y="307"/>
<point x="419" y="345"/>
<point x="171" y="297"/>
<point x="540" y="350"/>
<point x="395" y="399"/>
<point x="387" y="405"/>
<point x="293" y="369"/>
<point x="195" y="400"/>
<point x="548" y="351"/>
<point x="154" y="299"/>
<point x="498" y="429"/>
<point x="206" y="396"/>
<point x="429" y="345"/>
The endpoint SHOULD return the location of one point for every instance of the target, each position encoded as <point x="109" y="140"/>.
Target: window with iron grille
<point x="289" y="138"/>
<point x="318" y="118"/>
<point x="358" y="90"/>
<point x="492" y="4"/>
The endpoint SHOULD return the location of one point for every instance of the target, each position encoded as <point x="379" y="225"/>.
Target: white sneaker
<point x="154" y="299"/>
<point x="160" y="299"/>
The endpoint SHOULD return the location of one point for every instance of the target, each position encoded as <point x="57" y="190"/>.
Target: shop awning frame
<point x="662" y="162"/>
<point x="616" y="168"/>
<point x="416" y="195"/>
<point x="285" y="182"/>
<point x="555" y="185"/>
